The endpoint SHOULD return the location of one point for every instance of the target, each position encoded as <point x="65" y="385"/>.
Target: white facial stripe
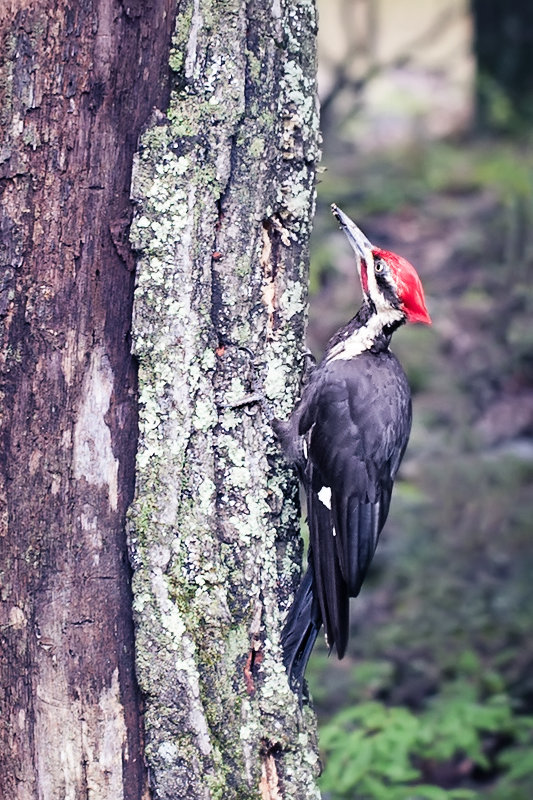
<point x="364" y="337"/>
<point x="373" y="290"/>
<point x="375" y="293"/>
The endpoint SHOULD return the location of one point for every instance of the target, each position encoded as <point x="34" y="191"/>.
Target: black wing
<point x="357" y="424"/>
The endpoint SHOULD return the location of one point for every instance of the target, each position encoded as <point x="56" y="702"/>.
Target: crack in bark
<point x="274" y="235"/>
<point x="269" y="786"/>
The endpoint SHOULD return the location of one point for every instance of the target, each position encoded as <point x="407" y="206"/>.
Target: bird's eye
<point x="379" y="267"/>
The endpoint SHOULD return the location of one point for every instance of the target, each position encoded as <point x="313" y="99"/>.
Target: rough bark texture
<point x="77" y="82"/>
<point x="224" y="184"/>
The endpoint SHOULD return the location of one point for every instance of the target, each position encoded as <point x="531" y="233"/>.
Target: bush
<point x="375" y="752"/>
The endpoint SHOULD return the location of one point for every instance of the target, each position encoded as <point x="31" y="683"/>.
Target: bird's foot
<point x="309" y="364"/>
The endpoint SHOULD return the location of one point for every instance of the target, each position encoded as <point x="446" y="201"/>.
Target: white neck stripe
<point x="364" y="337"/>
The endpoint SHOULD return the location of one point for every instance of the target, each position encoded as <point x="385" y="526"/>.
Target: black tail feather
<point x="301" y="629"/>
<point x="330" y="587"/>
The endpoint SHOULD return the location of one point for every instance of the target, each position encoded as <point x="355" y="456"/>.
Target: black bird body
<point x="347" y="436"/>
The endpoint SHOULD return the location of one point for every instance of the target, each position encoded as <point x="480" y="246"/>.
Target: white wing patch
<point x="324" y="496"/>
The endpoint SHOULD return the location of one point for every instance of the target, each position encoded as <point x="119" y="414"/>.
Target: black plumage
<point x="347" y="435"/>
<point x="355" y="419"/>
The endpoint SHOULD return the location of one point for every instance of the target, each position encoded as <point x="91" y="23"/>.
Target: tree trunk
<point x="503" y="42"/>
<point x="76" y="83"/>
<point x="224" y="187"/>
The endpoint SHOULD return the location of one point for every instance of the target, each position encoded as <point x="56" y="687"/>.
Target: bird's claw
<point x="309" y="364"/>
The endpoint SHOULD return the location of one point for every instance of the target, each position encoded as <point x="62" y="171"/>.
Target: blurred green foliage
<point x="441" y="655"/>
<point x="435" y="696"/>
<point x="376" y="752"/>
<point x="389" y="181"/>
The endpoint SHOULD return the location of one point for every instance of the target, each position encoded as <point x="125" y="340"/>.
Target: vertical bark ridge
<point x="77" y="82"/>
<point x="224" y="187"/>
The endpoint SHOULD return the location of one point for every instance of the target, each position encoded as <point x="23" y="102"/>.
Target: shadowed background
<point x="426" y="119"/>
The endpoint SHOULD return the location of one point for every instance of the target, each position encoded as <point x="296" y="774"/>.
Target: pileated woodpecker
<point x="347" y="437"/>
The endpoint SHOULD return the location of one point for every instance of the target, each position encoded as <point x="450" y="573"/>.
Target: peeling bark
<point x="224" y="188"/>
<point x="77" y="82"/>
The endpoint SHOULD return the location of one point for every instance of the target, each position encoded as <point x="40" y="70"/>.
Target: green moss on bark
<point x="224" y="188"/>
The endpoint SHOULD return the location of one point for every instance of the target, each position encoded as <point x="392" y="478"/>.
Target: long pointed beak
<point x="363" y="248"/>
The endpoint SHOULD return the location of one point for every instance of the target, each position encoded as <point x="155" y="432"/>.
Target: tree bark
<point x="224" y="183"/>
<point x="77" y="81"/>
<point x="224" y="187"/>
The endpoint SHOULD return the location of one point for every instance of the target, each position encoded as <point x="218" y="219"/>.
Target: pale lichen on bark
<point x="224" y="187"/>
